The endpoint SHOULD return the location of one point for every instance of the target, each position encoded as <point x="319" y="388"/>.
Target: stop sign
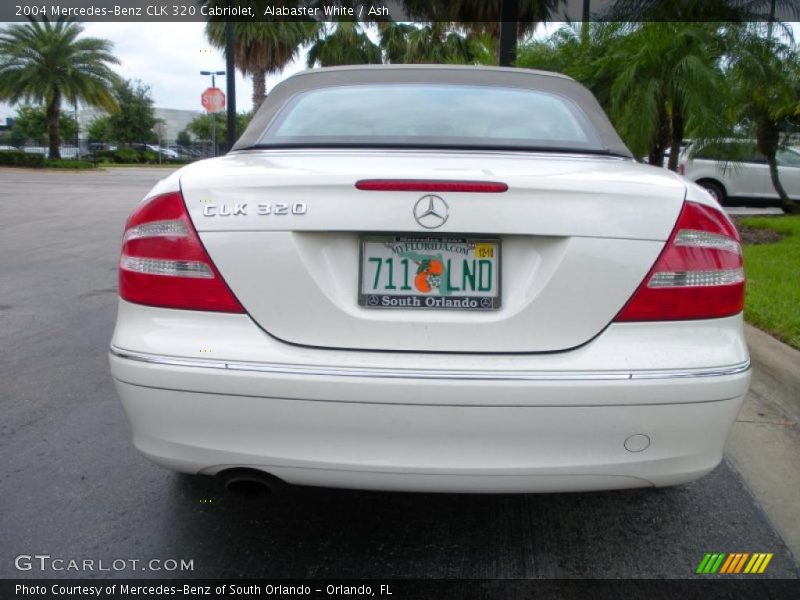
<point x="213" y="100"/>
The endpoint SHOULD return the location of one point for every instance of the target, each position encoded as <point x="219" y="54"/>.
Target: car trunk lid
<point x="577" y="234"/>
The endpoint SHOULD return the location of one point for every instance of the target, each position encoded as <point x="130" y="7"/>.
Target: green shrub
<point x="121" y="156"/>
<point x="108" y="156"/>
<point x="130" y="156"/>
<point x="127" y="155"/>
<point x="69" y="164"/>
<point x="21" y="159"/>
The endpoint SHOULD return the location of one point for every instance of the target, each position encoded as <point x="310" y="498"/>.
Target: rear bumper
<point x="429" y="447"/>
<point x="493" y="425"/>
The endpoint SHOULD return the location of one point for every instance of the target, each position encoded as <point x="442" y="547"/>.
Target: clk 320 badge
<point x="234" y="210"/>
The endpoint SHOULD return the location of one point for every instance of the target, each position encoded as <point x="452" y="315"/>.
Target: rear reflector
<point x="425" y="185"/>
<point x="699" y="274"/>
<point x="164" y="263"/>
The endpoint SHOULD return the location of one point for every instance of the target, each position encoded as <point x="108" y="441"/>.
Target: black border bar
<point x="401" y="589"/>
<point x="481" y="11"/>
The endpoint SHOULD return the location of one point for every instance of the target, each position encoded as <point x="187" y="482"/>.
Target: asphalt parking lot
<point x="73" y="486"/>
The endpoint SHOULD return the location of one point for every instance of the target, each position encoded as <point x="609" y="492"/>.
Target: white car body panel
<point x="556" y="249"/>
<point x="790" y="179"/>
<point x="233" y="338"/>
<point x="436" y="422"/>
<point x="549" y="194"/>
<point x="750" y="180"/>
<point x="318" y="275"/>
<point x="427" y="448"/>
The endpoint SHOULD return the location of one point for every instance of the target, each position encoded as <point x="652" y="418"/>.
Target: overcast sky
<point x="169" y="57"/>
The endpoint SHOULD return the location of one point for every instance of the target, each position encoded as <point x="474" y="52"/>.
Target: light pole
<point x="230" y="88"/>
<point x="213" y="114"/>
<point x="509" y="15"/>
<point x="771" y="19"/>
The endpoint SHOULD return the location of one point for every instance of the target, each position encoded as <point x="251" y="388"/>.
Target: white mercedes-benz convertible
<point x="431" y="278"/>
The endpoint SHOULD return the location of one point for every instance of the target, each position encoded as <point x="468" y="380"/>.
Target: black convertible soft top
<point x="528" y="79"/>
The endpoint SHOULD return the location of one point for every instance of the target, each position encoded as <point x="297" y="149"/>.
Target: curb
<point x="779" y="366"/>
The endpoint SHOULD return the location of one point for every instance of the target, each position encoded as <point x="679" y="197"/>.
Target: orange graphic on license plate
<point x="429" y="275"/>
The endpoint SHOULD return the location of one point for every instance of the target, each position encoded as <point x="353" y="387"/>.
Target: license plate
<point x="435" y="273"/>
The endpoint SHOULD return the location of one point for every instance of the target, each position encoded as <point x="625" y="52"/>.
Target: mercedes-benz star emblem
<point x="431" y="211"/>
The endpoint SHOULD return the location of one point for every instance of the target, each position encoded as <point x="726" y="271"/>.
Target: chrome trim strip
<point x="388" y="373"/>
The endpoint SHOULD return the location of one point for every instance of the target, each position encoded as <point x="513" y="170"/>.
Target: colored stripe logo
<point x="734" y="563"/>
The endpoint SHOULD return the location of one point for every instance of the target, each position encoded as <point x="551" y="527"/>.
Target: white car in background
<point x="71" y="152"/>
<point x="165" y="152"/>
<point x="431" y="278"/>
<point x="733" y="171"/>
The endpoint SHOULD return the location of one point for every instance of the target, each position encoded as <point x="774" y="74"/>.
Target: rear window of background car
<point x="731" y="151"/>
<point x="788" y="158"/>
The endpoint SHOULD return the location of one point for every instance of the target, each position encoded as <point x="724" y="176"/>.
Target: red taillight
<point x="699" y="274"/>
<point x="164" y="263"/>
<point x="427" y="185"/>
<point x="682" y="169"/>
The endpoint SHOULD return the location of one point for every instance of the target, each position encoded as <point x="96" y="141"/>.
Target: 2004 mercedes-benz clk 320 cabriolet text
<point x="431" y="278"/>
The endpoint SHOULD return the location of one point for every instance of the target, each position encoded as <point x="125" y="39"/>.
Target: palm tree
<point x="45" y="62"/>
<point x="578" y="51"/>
<point x="262" y="47"/>
<point x="560" y="52"/>
<point x="394" y="40"/>
<point x="346" y="44"/>
<point x="435" y="43"/>
<point x="765" y="76"/>
<point x="658" y="81"/>
<point x="667" y="83"/>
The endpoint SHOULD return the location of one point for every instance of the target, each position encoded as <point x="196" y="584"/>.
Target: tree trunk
<point x="53" y="132"/>
<point x="767" y="139"/>
<point x="656" y="155"/>
<point x="677" y="138"/>
<point x="787" y="205"/>
<point x="259" y="88"/>
<point x="661" y="138"/>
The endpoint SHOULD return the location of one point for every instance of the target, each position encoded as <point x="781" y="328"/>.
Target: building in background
<point x="175" y="120"/>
